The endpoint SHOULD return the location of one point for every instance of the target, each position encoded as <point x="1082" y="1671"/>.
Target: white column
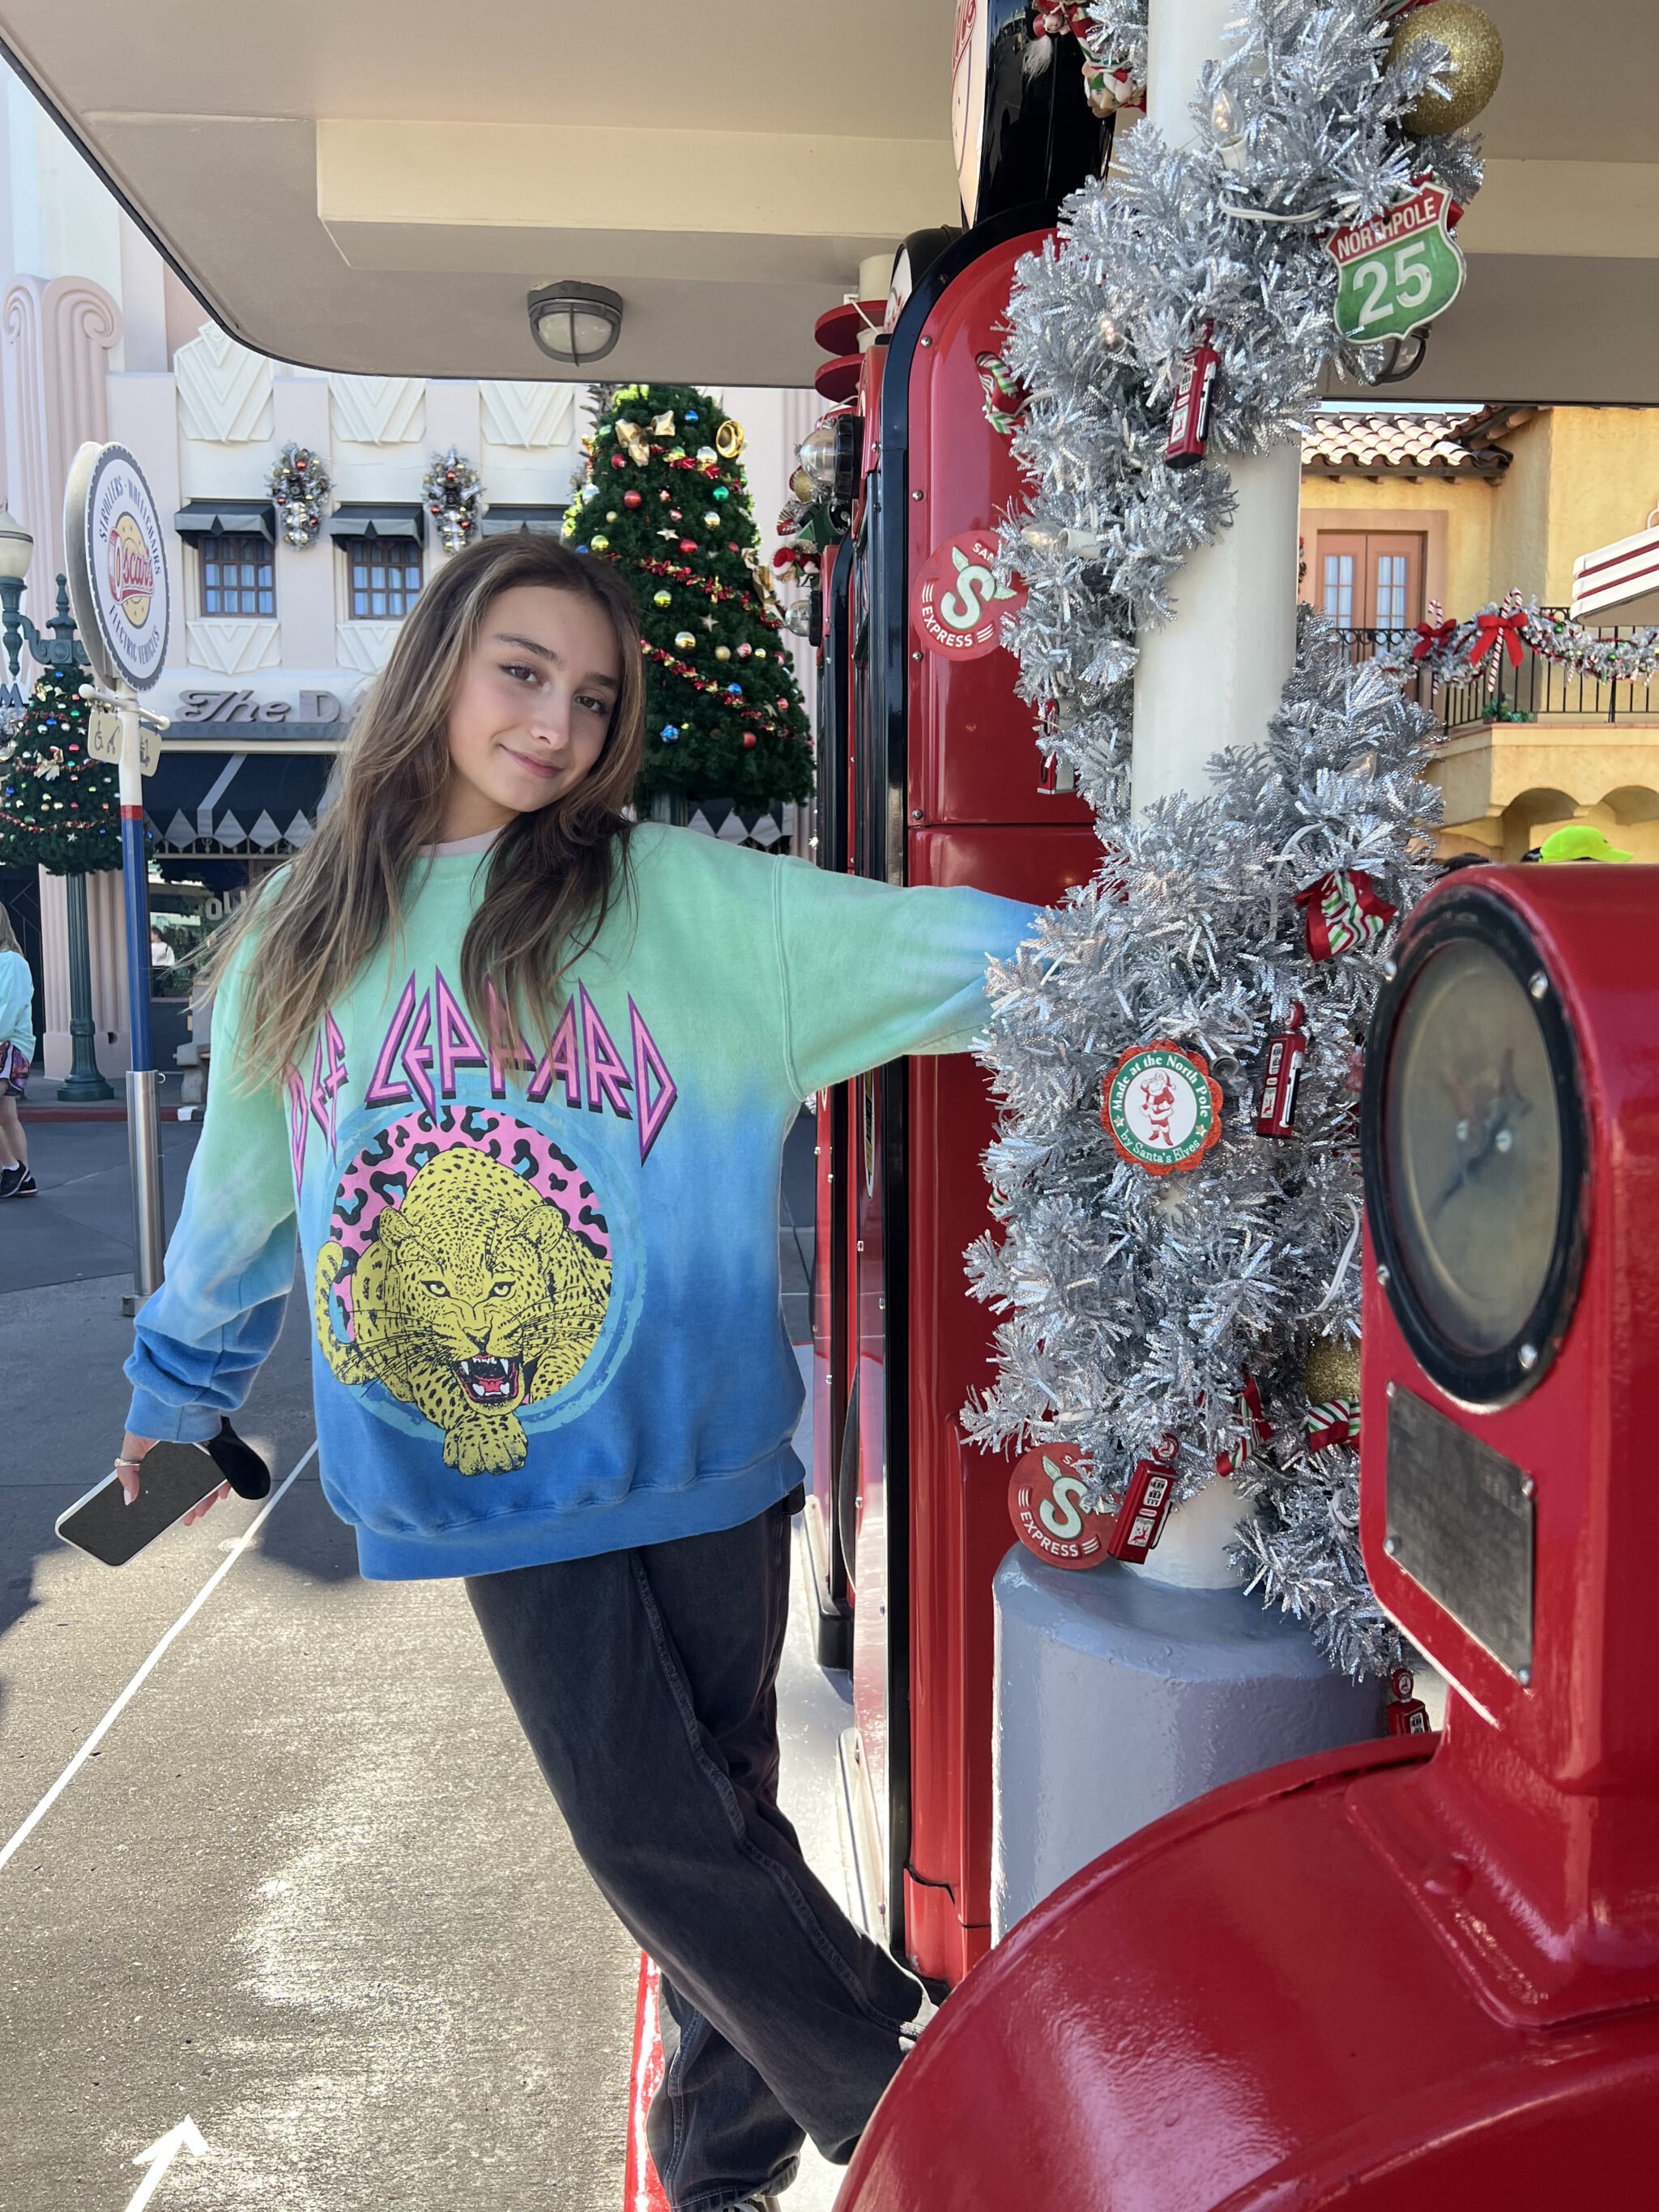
<point x="1211" y="676"/>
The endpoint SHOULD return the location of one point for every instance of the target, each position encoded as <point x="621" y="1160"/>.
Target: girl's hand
<point x="133" y="1449"/>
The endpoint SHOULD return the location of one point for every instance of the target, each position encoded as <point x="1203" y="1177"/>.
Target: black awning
<point x="368" y="519"/>
<point x="228" y="802"/>
<point x="501" y="521"/>
<point x="215" y="518"/>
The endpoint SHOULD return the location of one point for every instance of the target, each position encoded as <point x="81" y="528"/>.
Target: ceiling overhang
<point x="376" y="188"/>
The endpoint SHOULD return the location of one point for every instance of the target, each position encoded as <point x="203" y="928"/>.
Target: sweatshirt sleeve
<point x="871" y="971"/>
<point x="16" y="1001"/>
<point x="201" y="1339"/>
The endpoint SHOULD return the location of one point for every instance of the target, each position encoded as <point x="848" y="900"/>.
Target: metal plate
<point x="1460" y="1523"/>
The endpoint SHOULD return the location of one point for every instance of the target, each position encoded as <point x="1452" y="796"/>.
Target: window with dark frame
<point x="239" y="576"/>
<point x="385" y="578"/>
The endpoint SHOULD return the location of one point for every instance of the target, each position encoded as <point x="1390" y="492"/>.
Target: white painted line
<point x="238" y="1548"/>
<point x="161" y="2154"/>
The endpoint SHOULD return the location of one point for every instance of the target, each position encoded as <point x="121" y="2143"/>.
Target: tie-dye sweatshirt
<point x="545" y="1302"/>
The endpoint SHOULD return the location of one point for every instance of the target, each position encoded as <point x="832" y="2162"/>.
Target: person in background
<point x="1581" y="841"/>
<point x="161" y="955"/>
<point x="17" y="1056"/>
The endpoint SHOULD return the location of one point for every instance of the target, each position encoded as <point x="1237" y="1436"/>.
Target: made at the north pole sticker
<point x="957" y="603"/>
<point x="1046" y="1496"/>
<point x="1162" y="1107"/>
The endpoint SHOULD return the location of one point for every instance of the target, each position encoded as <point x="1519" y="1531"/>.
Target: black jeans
<point x="645" y="1680"/>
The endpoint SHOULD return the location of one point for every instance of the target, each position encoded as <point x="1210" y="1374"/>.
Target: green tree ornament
<point x="665" y="498"/>
<point x="59" y="808"/>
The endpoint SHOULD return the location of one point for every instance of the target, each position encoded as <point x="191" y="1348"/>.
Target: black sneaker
<point x="24" y="1186"/>
<point x="10" y="1179"/>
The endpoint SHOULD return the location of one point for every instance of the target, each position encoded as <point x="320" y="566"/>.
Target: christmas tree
<point x="1207" y="1319"/>
<point x="59" y="808"/>
<point x="664" y="497"/>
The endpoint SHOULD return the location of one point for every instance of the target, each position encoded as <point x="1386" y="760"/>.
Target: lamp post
<point x="62" y="650"/>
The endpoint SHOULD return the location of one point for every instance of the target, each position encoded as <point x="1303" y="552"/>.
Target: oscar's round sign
<point x="118" y="565"/>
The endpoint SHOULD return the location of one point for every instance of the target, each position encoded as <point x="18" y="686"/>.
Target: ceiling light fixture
<point x="575" y="322"/>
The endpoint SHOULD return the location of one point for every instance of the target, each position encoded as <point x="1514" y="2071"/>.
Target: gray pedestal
<point x="1117" y="1699"/>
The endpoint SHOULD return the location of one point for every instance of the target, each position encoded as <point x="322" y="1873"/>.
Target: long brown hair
<point x="553" y="873"/>
<point x="8" y="934"/>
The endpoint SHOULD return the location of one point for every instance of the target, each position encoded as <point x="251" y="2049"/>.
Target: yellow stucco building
<point x="1404" y="507"/>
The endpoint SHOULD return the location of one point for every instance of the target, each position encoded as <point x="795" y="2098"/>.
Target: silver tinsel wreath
<point x="1133" y="1308"/>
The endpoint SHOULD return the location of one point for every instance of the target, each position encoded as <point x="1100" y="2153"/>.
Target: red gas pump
<point x="1422" y="1972"/>
<point x="943" y="785"/>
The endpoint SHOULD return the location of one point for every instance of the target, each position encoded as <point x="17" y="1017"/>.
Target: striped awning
<point x="219" y="803"/>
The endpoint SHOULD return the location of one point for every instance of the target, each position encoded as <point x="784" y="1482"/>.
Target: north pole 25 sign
<point x="127" y="569"/>
<point x="1399" y="272"/>
<point x="957" y="603"/>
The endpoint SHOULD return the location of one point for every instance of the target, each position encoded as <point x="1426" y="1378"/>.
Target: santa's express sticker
<point x="957" y="605"/>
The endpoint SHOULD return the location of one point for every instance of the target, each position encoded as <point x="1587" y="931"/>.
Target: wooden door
<point x="1369" y="579"/>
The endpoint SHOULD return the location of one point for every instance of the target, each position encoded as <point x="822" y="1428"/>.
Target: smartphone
<point x="172" y="1479"/>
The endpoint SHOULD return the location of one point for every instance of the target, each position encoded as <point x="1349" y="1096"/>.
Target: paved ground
<point x="309" y="1889"/>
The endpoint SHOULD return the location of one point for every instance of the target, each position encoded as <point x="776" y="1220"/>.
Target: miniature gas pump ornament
<point x="1146" y="1505"/>
<point x="1281" y="1071"/>
<point x="1189" y="423"/>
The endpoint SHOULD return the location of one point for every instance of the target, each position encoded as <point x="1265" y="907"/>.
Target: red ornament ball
<point x="688" y="545"/>
<point x="749" y="741"/>
<point x="631" y="498"/>
<point x="619" y="460"/>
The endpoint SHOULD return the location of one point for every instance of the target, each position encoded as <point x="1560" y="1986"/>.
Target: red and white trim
<point x="1626" y="569"/>
<point x="641" y="2190"/>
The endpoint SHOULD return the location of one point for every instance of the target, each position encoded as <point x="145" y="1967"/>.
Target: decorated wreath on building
<point x="454" y="495"/>
<point x="300" y="489"/>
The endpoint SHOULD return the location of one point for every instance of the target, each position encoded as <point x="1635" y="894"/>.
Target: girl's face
<point x="531" y="710"/>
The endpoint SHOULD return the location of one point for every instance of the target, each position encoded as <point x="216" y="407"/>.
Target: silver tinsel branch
<point x="1132" y="1307"/>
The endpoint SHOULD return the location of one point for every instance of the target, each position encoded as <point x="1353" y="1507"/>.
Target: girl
<point x="518" y="1071"/>
<point x="16" y="1054"/>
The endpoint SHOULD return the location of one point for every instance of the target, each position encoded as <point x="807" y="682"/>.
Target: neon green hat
<point x="1580" y="841"/>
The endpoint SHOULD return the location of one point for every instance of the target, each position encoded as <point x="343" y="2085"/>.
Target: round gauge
<point x="1474" y="1150"/>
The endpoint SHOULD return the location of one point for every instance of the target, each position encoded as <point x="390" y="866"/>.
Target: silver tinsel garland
<point x="1134" y="1307"/>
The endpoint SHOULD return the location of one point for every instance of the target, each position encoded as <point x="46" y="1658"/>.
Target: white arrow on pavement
<point x="160" y="2156"/>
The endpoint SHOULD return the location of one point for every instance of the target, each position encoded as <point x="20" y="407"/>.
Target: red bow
<point x="1055" y="20"/>
<point x="1490" y="628"/>
<point x="1432" y="637"/>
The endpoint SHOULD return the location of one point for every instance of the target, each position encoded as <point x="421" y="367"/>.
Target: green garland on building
<point x="59" y="808"/>
<point x="665" y="498"/>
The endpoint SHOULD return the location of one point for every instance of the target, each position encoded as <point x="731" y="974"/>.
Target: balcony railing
<point x="1537" y="687"/>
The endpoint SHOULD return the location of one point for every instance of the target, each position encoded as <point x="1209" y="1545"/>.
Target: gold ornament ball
<point x="1333" y="1370"/>
<point x="613" y="516"/>
<point x="685" y="640"/>
<point x="1477" y="63"/>
<point x="662" y="599"/>
<point x="600" y="545"/>
<point x="722" y="653"/>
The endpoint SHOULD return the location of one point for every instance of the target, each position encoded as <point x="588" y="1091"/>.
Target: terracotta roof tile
<point x="1369" y="442"/>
